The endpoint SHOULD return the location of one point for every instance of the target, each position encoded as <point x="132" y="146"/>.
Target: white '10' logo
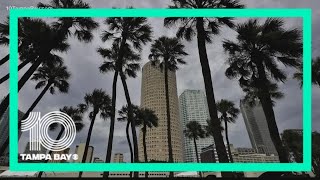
<point x="39" y="127"/>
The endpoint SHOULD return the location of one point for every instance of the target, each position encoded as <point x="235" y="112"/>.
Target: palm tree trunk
<point x="112" y="122"/>
<point x="130" y="146"/>
<point x="144" y="132"/>
<point x="197" y="154"/>
<point x="4" y="60"/>
<point x="133" y="124"/>
<point x="168" y="114"/>
<point x="6" y="143"/>
<point x="34" y="104"/>
<point x="84" y="157"/>
<point x="218" y="139"/>
<point x="266" y="104"/>
<point x="5" y="103"/>
<point x="196" y="149"/>
<point x="227" y="139"/>
<point x="21" y="65"/>
<point x="50" y="152"/>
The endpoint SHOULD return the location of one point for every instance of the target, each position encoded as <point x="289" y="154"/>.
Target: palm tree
<point x="123" y="113"/>
<point x="76" y="116"/>
<point x="254" y="58"/>
<point x="51" y="77"/>
<point x="27" y="52"/>
<point x="148" y="120"/>
<point x="81" y="27"/>
<point x="204" y="28"/>
<point x="194" y="131"/>
<point x="229" y="114"/>
<point x="4" y="38"/>
<point x="46" y="38"/>
<point x="99" y="102"/>
<point x="315" y="72"/>
<point x="129" y="67"/>
<point x="167" y="53"/>
<point x="143" y="117"/>
<point x="128" y="32"/>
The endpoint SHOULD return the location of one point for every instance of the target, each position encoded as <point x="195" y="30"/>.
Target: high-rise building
<point x="257" y="127"/>
<point x="118" y="158"/>
<point x="194" y="107"/>
<point x="4" y="128"/>
<point x="66" y="151"/>
<point x="80" y="151"/>
<point x="153" y="97"/>
<point x="239" y="155"/>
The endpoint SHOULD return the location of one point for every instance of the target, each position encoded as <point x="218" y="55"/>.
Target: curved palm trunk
<point x="197" y="155"/>
<point x="266" y="104"/>
<point x="4" y="60"/>
<point x="130" y="146"/>
<point x="34" y="104"/>
<point x="50" y="152"/>
<point x="112" y="121"/>
<point x="144" y="132"/>
<point x="6" y="143"/>
<point x="84" y="157"/>
<point x="133" y="124"/>
<point x="218" y="139"/>
<point x="227" y="139"/>
<point x="21" y="65"/>
<point x="168" y="114"/>
<point x="5" y="103"/>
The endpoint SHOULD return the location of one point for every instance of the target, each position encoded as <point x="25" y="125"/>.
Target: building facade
<point x="97" y="160"/>
<point x="80" y="151"/>
<point x="209" y="153"/>
<point x="194" y="107"/>
<point x="153" y="97"/>
<point x="255" y="158"/>
<point x="239" y="155"/>
<point x="257" y="127"/>
<point x="118" y="158"/>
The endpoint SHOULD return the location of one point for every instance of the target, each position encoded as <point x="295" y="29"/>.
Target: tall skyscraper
<point x="4" y="128"/>
<point x="194" y="107"/>
<point x="118" y="158"/>
<point x="80" y="151"/>
<point x="257" y="128"/>
<point x="153" y="97"/>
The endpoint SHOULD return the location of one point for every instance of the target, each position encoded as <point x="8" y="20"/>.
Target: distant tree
<point x="229" y="114"/>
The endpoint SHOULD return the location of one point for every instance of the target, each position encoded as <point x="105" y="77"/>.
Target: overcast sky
<point x="83" y="62"/>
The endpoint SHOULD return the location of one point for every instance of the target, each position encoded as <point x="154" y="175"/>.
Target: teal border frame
<point x="305" y="14"/>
